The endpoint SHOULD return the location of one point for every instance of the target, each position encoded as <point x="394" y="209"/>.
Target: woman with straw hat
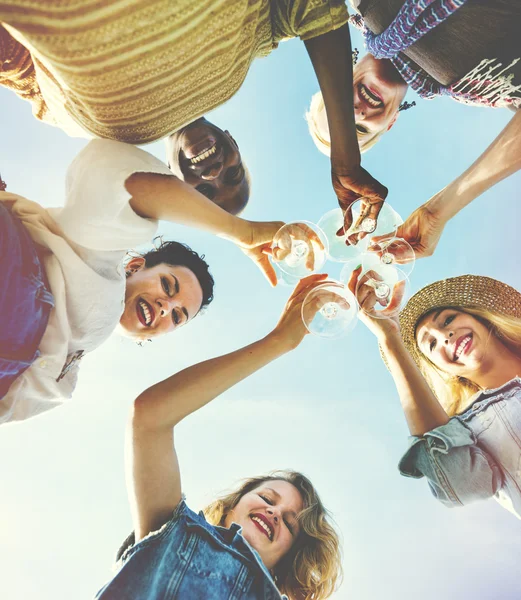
<point x="455" y="357"/>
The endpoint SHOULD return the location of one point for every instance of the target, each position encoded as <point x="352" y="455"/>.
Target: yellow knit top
<point x="137" y="70"/>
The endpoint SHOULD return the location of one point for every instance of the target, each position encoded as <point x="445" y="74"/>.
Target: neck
<point x="505" y="366"/>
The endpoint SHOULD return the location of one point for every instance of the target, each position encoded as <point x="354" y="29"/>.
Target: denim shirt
<point x="477" y="454"/>
<point x="190" y="559"/>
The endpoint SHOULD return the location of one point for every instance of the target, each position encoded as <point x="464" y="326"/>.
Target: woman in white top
<point x="74" y="272"/>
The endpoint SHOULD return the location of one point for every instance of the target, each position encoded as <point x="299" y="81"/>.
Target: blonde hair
<point x="321" y="138"/>
<point x="312" y="569"/>
<point x="454" y="392"/>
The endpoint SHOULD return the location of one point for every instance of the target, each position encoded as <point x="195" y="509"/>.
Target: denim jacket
<point x="189" y="559"/>
<point x="477" y="454"/>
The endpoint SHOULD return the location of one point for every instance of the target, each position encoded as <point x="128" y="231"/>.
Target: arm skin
<point x="331" y="57"/>
<point x="153" y="478"/>
<point x="330" y="54"/>
<point x="153" y="470"/>
<point x="424" y="226"/>
<point x="165" y="197"/>
<point x="501" y="159"/>
<point x="422" y="410"/>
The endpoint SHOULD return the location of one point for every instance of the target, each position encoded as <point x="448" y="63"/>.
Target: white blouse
<point x="87" y="240"/>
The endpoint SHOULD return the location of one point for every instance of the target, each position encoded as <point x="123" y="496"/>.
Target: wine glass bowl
<point x="339" y="251"/>
<point x="390" y="251"/>
<point x="367" y="219"/>
<point x="330" y="310"/>
<point x="299" y="249"/>
<point x="381" y="290"/>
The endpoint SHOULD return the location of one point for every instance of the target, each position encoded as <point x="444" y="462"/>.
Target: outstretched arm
<point x="502" y="158"/>
<point x="152" y="468"/>
<point x="164" y="197"/>
<point x="330" y="54"/>
<point x="421" y="408"/>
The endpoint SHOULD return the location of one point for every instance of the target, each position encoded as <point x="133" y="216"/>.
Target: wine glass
<point x="299" y="249"/>
<point x="339" y="251"/>
<point x="334" y="220"/>
<point x="330" y="310"/>
<point x="380" y="291"/>
<point x="388" y="220"/>
<point x="390" y="251"/>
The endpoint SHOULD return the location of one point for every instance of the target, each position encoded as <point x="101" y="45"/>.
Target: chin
<point x="130" y="333"/>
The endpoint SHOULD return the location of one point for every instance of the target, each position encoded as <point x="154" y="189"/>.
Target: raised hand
<point x="256" y="244"/>
<point x="422" y="230"/>
<point x="366" y="297"/>
<point x="353" y="184"/>
<point x="290" y="327"/>
<point x="283" y="241"/>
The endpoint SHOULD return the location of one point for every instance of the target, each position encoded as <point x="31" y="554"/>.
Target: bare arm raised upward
<point x="152" y="469"/>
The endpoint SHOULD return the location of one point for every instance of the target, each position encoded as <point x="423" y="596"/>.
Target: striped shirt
<point x="137" y="70"/>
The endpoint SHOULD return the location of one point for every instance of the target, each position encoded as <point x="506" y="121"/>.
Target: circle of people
<point x="119" y="74"/>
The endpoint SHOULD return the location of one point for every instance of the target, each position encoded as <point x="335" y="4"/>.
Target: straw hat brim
<point x="465" y="291"/>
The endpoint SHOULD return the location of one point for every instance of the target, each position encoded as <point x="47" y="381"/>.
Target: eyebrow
<point x="291" y="512"/>
<point x="176" y="285"/>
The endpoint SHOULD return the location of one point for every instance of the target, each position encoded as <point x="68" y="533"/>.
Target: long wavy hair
<point x="312" y="569"/>
<point x="454" y="392"/>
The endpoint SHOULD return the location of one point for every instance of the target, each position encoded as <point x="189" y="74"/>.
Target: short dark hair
<point x="181" y="255"/>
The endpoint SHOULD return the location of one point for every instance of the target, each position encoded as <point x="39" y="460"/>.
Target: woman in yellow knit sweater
<point x="136" y="71"/>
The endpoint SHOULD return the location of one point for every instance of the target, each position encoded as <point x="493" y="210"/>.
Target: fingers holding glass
<point x="299" y="248"/>
<point x="369" y="218"/>
<point x="380" y="291"/>
<point x="390" y="251"/>
<point x="330" y="311"/>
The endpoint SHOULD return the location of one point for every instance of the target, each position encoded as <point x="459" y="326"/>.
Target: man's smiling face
<point x="159" y="300"/>
<point x="208" y="159"/>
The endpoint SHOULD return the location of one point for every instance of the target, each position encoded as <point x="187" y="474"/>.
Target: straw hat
<point x="465" y="291"/>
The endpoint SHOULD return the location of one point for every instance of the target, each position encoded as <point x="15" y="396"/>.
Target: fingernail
<point x="356" y="268"/>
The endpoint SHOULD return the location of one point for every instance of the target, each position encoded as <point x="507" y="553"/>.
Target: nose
<point x="274" y="512"/>
<point x="359" y="112"/>
<point x="449" y="336"/>
<point x="165" y="306"/>
<point x="212" y="172"/>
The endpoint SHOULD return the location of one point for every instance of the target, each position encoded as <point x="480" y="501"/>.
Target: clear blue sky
<point x="329" y="409"/>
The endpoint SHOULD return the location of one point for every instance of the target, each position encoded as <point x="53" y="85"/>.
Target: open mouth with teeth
<point x="263" y="525"/>
<point x="206" y="153"/>
<point x="462" y="346"/>
<point x="145" y="313"/>
<point x="370" y="96"/>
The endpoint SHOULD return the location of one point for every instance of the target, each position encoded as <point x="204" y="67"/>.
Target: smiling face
<point x="158" y="300"/>
<point x="457" y="343"/>
<point x="378" y="91"/>
<point x="268" y="516"/>
<point x="208" y="159"/>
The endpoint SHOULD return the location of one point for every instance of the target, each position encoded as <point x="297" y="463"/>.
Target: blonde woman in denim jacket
<point x="455" y="357"/>
<point x="270" y="537"/>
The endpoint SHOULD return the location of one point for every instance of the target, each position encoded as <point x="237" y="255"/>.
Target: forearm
<point x="501" y="159"/>
<point x="331" y="57"/>
<point x="163" y="197"/>
<point x="165" y="404"/>
<point x="422" y="410"/>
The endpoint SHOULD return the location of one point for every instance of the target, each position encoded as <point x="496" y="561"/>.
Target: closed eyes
<point x="271" y="503"/>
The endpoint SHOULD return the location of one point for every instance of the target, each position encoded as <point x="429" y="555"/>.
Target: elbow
<point x="147" y="414"/>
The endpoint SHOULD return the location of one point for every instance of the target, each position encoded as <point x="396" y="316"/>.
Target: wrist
<point x="239" y="231"/>
<point x="450" y="200"/>
<point x="281" y="342"/>
<point x="389" y="341"/>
